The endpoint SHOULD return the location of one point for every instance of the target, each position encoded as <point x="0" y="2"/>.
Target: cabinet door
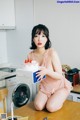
<point x="7" y="14"/>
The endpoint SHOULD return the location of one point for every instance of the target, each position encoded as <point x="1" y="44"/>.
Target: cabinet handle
<point x="78" y="97"/>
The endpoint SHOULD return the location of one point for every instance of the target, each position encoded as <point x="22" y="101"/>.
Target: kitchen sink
<point x="8" y="69"/>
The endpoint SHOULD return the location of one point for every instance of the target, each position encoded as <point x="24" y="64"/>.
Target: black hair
<point x="37" y="30"/>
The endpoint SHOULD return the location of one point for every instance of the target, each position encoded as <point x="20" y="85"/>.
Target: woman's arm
<point x="57" y="68"/>
<point x="56" y="73"/>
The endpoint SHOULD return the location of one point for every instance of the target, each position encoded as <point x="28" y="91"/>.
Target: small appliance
<point x="21" y="89"/>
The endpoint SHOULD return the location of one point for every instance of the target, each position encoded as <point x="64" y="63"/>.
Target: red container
<point x="75" y="79"/>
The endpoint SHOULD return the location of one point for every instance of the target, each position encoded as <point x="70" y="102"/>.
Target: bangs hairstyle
<point x="37" y="30"/>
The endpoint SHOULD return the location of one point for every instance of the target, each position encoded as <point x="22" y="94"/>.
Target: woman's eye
<point x="36" y="36"/>
<point x="39" y="35"/>
<point x="43" y="36"/>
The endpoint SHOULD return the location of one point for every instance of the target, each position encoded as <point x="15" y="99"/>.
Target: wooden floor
<point x="69" y="111"/>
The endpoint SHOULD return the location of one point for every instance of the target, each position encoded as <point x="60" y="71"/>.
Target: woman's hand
<point x="41" y="73"/>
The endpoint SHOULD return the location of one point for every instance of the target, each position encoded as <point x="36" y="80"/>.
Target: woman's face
<point x="40" y="40"/>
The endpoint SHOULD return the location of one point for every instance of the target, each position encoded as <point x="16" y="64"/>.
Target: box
<point x="35" y="79"/>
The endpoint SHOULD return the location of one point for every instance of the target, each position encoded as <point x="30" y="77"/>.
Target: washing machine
<point x="21" y="89"/>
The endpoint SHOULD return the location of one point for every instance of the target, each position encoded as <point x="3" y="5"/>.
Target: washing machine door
<point x="21" y="95"/>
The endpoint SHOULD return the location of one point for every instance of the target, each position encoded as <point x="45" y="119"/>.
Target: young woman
<point x="55" y="88"/>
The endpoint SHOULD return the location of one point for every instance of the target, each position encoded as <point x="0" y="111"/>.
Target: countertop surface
<point x="69" y="111"/>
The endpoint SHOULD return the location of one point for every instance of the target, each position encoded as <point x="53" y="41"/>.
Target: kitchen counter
<point x="6" y="75"/>
<point x="7" y="71"/>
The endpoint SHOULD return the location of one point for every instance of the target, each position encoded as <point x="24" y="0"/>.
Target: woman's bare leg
<point x="55" y="101"/>
<point x="40" y="100"/>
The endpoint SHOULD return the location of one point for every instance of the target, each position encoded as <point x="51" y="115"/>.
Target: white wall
<point x="63" y="21"/>
<point x="18" y="40"/>
<point x="3" y="47"/>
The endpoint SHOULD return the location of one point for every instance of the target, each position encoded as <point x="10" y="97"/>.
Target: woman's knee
<point x="40" y="101"/>
<point x="53" y="107"/>
<point x="38" y="106"/>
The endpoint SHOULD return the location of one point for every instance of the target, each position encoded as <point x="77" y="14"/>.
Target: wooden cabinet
<point x="7" y="14"/>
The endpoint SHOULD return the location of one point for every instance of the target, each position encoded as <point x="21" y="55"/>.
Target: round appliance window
<point x="21" y="95"/>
